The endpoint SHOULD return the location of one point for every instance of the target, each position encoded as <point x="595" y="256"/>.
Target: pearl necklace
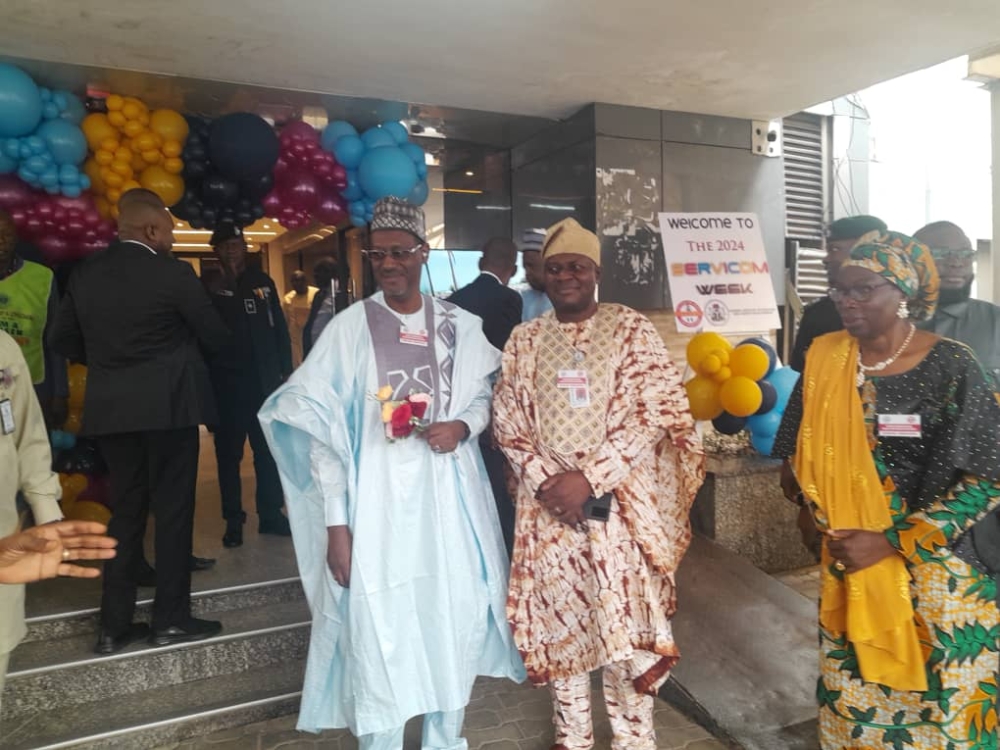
<point x="879" y="366"/>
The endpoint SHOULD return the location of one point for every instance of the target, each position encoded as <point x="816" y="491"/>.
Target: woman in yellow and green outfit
<point x="894" y="436"/>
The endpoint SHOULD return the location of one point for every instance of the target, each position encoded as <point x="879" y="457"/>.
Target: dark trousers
<point x="238" y="407"/>
<point x="496" y="469"/>
<point x="156" y="471"/>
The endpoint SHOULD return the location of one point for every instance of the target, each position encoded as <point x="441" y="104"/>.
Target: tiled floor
<point x="501" y="716"/>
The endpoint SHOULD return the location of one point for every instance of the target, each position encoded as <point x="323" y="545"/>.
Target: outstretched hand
<point x="48" y="551"/>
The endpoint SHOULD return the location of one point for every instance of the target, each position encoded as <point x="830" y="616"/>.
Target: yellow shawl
<point x="836" y="470"/>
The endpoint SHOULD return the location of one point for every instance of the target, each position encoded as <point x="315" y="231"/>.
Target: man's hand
<point x="47" y="551"/>
<point x="338" y="554"/>
<point x="789" y="484"/>
<point x="858" y="549"/>
<point x="444" y="437"/>
<point x="563" y="495"/>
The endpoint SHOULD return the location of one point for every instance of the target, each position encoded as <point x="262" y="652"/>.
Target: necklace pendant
<point x="577" y="356"/>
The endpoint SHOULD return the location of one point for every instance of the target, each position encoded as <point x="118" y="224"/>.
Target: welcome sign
<point x="718" y="273"/>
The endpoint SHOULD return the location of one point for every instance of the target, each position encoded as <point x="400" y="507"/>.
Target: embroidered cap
<point x="393" y="213"/>
<point x="224" y="232"/>
<point x="569" y="237"/>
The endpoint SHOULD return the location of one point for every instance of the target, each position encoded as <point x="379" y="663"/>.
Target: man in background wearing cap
<point x="591" y="412"/>
<point x="257" y="361"/>
<point x="535" y="300"/>
<point x="821" y="317"/>
<point x="397" y="538"/>
<point x="499" y="307"/>
<point x="147" y="391"/>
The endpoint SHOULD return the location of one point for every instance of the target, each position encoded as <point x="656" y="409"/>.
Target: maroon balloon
<point x="273" y="203"/>
<point x="55" y="249"/>
<point x="297" y="130"/>
<point x="45" y="210"/>
<point x="18" y="215"/>
<point x="300" y="191"/>
<point x="281" y="167"/>
<point x="32" y="226"/>
<point x="14" y="192"/>
<point x="92" y="217"/>
<point x="74" y="229"/>
<point x="330" y="209"/>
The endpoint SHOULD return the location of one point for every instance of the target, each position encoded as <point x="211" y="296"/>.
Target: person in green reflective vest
<point x="28" y="304"/>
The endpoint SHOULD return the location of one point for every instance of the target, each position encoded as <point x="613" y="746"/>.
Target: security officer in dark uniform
<point x="257" y="361"/>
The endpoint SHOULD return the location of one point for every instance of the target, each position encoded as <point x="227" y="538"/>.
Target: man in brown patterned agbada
<point x="590" y="411"/>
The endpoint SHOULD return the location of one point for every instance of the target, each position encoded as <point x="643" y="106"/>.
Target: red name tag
<point x="413" y="338"/>
<point x="572" y="379"/>
<point x="899" y="425"/>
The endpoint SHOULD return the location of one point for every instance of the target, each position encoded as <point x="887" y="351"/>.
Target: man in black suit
<point x="137" y="318"/>
<point x="491" y="299"/>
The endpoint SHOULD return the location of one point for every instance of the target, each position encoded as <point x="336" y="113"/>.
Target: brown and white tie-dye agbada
<point x="586" y="598"/>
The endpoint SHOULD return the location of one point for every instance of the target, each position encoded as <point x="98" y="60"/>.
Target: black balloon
<point x="209" y="217"/>
<point x="195" y="171"/>
<point x="727" y="424"/>
<point x="242" y="146"/>
<point x="243" y="218"/>
<point x="219" y="192"/>
<point x="258" y="212"/>
<point x="770" y="394"/>
<point x="255" y="189"/>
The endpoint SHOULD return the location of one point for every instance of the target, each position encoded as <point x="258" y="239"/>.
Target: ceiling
<point x="529" y="58"/>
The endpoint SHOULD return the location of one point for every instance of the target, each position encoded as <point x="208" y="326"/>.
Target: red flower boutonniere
<point x="402" y="418"/>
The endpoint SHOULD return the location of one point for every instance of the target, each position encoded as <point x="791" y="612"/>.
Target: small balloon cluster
<point x="133" y="147"/>
<point x="85" y="489"/>
<point x="40" y="137"/>
<point x="228" y="165"/>
<point x="738" y="387"/>
<point x="62" y="228"/>
<point x="307" y="180"/>
<point x="380" y="162"/>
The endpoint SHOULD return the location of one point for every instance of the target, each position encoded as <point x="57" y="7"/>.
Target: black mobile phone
<point x="598" y="508"/>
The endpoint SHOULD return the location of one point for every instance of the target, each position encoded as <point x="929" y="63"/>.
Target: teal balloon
<point x="74" y="111"/>
<point x="334" y="131"/>
<point x="414" y="152"/>
<point x="418" y="196"/>
<point x="783" y="379"/>
<point x="36" y="143"/>
<point x="50" y="111"/>
<point x="358" y="220"/>
<point x="349" y="149"/>
<point x="374" y="138"/>
<point x="7" y="165"/>
<point x="763" y="445"/>
<point x="65" y="141"/>
<point x="352" y="191"/>
<point x="50" y="177"/>
<point x="84" y="182"/>
<point x="37" y="164"/>
<point x="20" y="102"/>
<point x="765" y="425"/>
<point x="12" y="148"/>
<point x="387" y="171"/>
<point x="397" y="130"/>
<point x="421" y="170"/>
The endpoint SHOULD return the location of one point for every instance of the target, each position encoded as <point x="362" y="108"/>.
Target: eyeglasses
<point x="576" y="269"/>
<point x="965" y="253"/>
<point x="861" y="293"/>
<point x="379" y="254"/>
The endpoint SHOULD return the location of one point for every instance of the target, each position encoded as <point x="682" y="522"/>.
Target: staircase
<point x="59" y="694"/>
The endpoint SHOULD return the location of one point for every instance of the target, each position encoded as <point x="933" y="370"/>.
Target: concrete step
<point x="203" y="604"/>
<point x="64" y="672"/>
<point x="162" y="716"/>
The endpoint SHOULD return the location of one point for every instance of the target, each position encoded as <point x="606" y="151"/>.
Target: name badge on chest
<point x="577" y="384"/>
<point x="7" y="417"/>
<point x="250" y="306"/>
<point x="899" y="425"/>
<point x="413" y="338"/>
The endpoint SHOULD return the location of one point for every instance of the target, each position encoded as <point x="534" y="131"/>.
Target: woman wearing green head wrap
<point x="894" y="435"/>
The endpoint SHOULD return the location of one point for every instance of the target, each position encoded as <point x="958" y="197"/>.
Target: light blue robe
<point x="534" y="304"/>
<point x="425" y="611"/>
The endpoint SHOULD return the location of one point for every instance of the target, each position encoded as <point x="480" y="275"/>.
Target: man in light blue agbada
<point x="396" y="534"/>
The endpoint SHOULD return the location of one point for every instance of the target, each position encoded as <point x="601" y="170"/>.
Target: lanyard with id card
<point x="577" y="384"/>
<point x="7" y="425"/>
<point x="899" y="425"/>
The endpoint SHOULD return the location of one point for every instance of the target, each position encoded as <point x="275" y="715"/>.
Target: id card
<point x="413" y="338"/>
<point x="572" y="379"/>
<point x="250" y="306"/>
<point x="6" y="417"/>
<point x="899" y="425"/>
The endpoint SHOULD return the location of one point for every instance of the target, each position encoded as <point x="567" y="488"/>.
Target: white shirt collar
<point x="490" y="273"/>
<point x="142" y="244"/>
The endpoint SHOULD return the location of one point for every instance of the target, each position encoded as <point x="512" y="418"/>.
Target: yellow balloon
<point x="130" y="185"/>
<point x="123" y="168"/>
<point x="104" y="158"/>
<point x="710" y="365"/>
<point x="103" y="206"/>
<point x="114" y="211"/>
<point x="114" y="195"/>
<point x="172" y="149"/>
<point x="110" y="144"/>
<point x="704" y="344"/>
<point x="113" y="180"/>
<point x="145" y="141"/>
<point x="133" y="128"/>
<point x="173" y="165"/>
<point x="76" y="376"/>
<point x="123" y="154"/>
<point x="138" y="163"/>
<point x="170" y="187"/>
<point x="73" y="423"/>
<point x="96" y="129"/>
<point x="750" y="361"/>
<point x="72" y="485"/>
<point x="722" y="375"/>
<point x="703" y="397"/>
<point x="88" y="510"/>
<point x="117" y="119"/>
<point x="93" y="170"/>
<point x="152" y="157"/>
<point x="114" y="103"/>
<point x="170" y="125"/>
<point x="132" y="108"/>
<point x="740" y="396"/>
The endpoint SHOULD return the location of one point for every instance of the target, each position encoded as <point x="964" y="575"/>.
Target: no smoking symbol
<point x="688" y="313"/>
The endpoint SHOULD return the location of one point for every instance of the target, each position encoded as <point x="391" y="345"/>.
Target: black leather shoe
<point x="201" y="563"/>
<point x="110" y="644"/>
<point x="234" y="534"/>
<point x="191" y="630"/>
<point x="277" y="526"/>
